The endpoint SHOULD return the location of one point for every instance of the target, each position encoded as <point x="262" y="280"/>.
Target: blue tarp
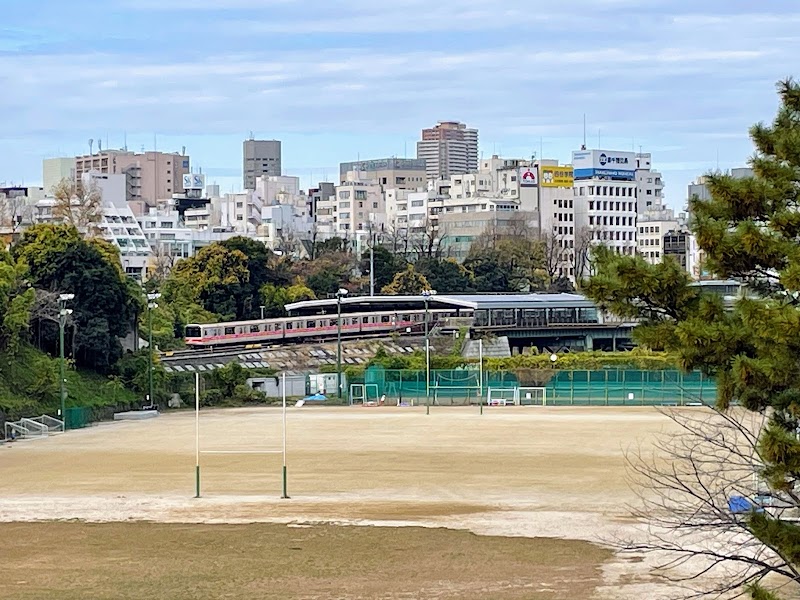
<point x="739" y="504"/>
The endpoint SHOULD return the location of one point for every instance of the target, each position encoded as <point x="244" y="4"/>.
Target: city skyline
<point x="343" y="84"/>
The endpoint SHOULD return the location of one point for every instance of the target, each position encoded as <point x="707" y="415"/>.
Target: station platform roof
<point x="457" y="301"/>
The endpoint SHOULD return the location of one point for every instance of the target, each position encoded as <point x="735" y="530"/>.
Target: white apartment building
<point x="652" y="226"/>
<point x="118" y="224"/>
<point x="605" y="191"/>
<point x="650" y="184"/>
<point x="555" y="203"/>
<point x="240" y="211"/>
<point x="355" y="206"/>
<point x="56" y="169"/>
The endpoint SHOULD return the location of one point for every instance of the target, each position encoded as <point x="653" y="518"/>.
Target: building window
<point x="344" y="195"/>
<point x="361" y="194"/>
<point x="591" y="204"/>
<point x="344" y="205"/>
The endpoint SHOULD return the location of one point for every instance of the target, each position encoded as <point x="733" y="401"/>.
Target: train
<point x="314" y="326"/>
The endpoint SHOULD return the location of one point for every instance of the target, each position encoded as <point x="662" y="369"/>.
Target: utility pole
<point x="63" y="313"/>
<point x="151" y="304"/>
<point x="341" y="293"/>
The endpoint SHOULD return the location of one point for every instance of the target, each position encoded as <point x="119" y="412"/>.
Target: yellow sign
<point x="556" y="177"/>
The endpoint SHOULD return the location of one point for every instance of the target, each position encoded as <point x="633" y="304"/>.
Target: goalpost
<point x="518" y="396"/>
<point x="199" y="452"/>
<point x="501" y="396"/>
<point x="532" y="396"/>
<point x="467" y="387"/>
<point x="365" y="394"/>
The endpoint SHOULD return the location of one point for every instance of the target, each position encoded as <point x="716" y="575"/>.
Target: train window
<point x="365" y="319"/>
<point x="385" y="318"/>
<point x="354" y="320"/>
<point x="405" y="317"/>
<point x="230" y="331"/>
<point x="289" y="326"/>
<point x="278" y="326"/>
<point x="193" y="331"/>
<point x="311" y="324"/>
<point x="332" y="323"/>
<point x="254" y="329"/>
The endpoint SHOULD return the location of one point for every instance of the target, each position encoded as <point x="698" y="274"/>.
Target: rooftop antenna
<point x="91" y="145"/>
<point x="583" y="147"/>
<point x="252" y="137"/>
<point x="125" y="141"/>
<point x="99" y="145"/>
<point x="598" y="138"/>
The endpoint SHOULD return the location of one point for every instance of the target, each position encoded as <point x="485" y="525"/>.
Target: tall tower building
<point x="449" y="148"/>
<point x="260" y="157"/>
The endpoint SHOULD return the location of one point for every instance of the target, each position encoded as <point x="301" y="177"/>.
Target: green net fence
<point x="610" y="387"/>
<point x="78" y="417"/>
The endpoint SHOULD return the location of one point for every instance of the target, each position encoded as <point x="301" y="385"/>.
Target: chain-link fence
<point x="619" y="387"/>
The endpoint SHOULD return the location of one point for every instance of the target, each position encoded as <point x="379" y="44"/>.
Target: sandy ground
<point x="513" y="471"/>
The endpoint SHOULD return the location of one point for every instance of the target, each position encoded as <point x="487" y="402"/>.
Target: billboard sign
<point x="528" y="177"/>
<point x="194" y="181"/>
<point x="551" y="176"/>
<point x="604" y="163"/>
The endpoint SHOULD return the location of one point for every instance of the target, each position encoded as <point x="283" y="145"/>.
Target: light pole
<point x="63" y="313"/>
<point x="262" y="307"/>
<point x="340" y="293"/>
<point x="151" y="304"/>
<point x="426" y="296"/>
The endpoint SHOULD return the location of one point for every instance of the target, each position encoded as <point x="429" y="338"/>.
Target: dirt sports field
<point x="385" y="503"/>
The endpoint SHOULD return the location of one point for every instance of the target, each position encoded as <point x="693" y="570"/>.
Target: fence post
<point x="572" y="387"/>
<point x="606" y="387"/>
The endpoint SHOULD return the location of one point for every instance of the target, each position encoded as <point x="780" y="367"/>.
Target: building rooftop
<point x="466" y="301"/>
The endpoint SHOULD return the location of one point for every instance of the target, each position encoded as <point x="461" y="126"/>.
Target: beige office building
<point x="151" y="176"/>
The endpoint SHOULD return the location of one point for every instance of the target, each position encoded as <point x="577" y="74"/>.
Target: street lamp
<point x="63" y="313"/>
<point x="426" y="296"/>
<point x="151" y="304"/>
<point x="340" y="293"/>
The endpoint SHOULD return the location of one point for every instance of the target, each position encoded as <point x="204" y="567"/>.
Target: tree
<point x="216" y="278"/>
<point x="78" y="205"/>
<point x="426" y="239"/>
<point x="331" y="245"/>
<point x="748" y="229"/>
<point x="506" y="263"/>
<point x="264" y="268"/>
<point x="446" y="275"/>
<point x="16" y="300"/>
<point x="327" y="273"/>
<point x="407" y="283"/>
<point x="106" y="302"/>
<point x="275" y="298"/>
<point x="387" y="265"/>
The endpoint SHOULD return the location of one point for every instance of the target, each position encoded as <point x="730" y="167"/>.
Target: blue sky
<point x="338" y="80"/>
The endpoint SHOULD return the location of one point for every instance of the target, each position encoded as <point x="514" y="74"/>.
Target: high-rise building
<point x="605" y="202"/>
<point x="260" y="157"/>
<point x="449" y="148"/>
<point x="150" y="176"/>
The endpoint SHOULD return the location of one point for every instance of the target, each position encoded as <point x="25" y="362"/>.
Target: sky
<point x="338" y="81"/>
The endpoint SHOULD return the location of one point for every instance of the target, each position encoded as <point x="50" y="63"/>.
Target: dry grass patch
<point x="73" y="560"/>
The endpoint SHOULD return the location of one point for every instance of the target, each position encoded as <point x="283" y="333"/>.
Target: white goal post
<point x="365" y="394"/>
<point x="532" y="396"/>
<point x="519" y="396"/>
<point x="501" y="396"/>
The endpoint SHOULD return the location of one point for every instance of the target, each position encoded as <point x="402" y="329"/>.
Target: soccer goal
<point x="501" y="396"/>
<point x="364" y="394"/>
<point x="531" y="396"/>
<point x="456" y="387"/>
